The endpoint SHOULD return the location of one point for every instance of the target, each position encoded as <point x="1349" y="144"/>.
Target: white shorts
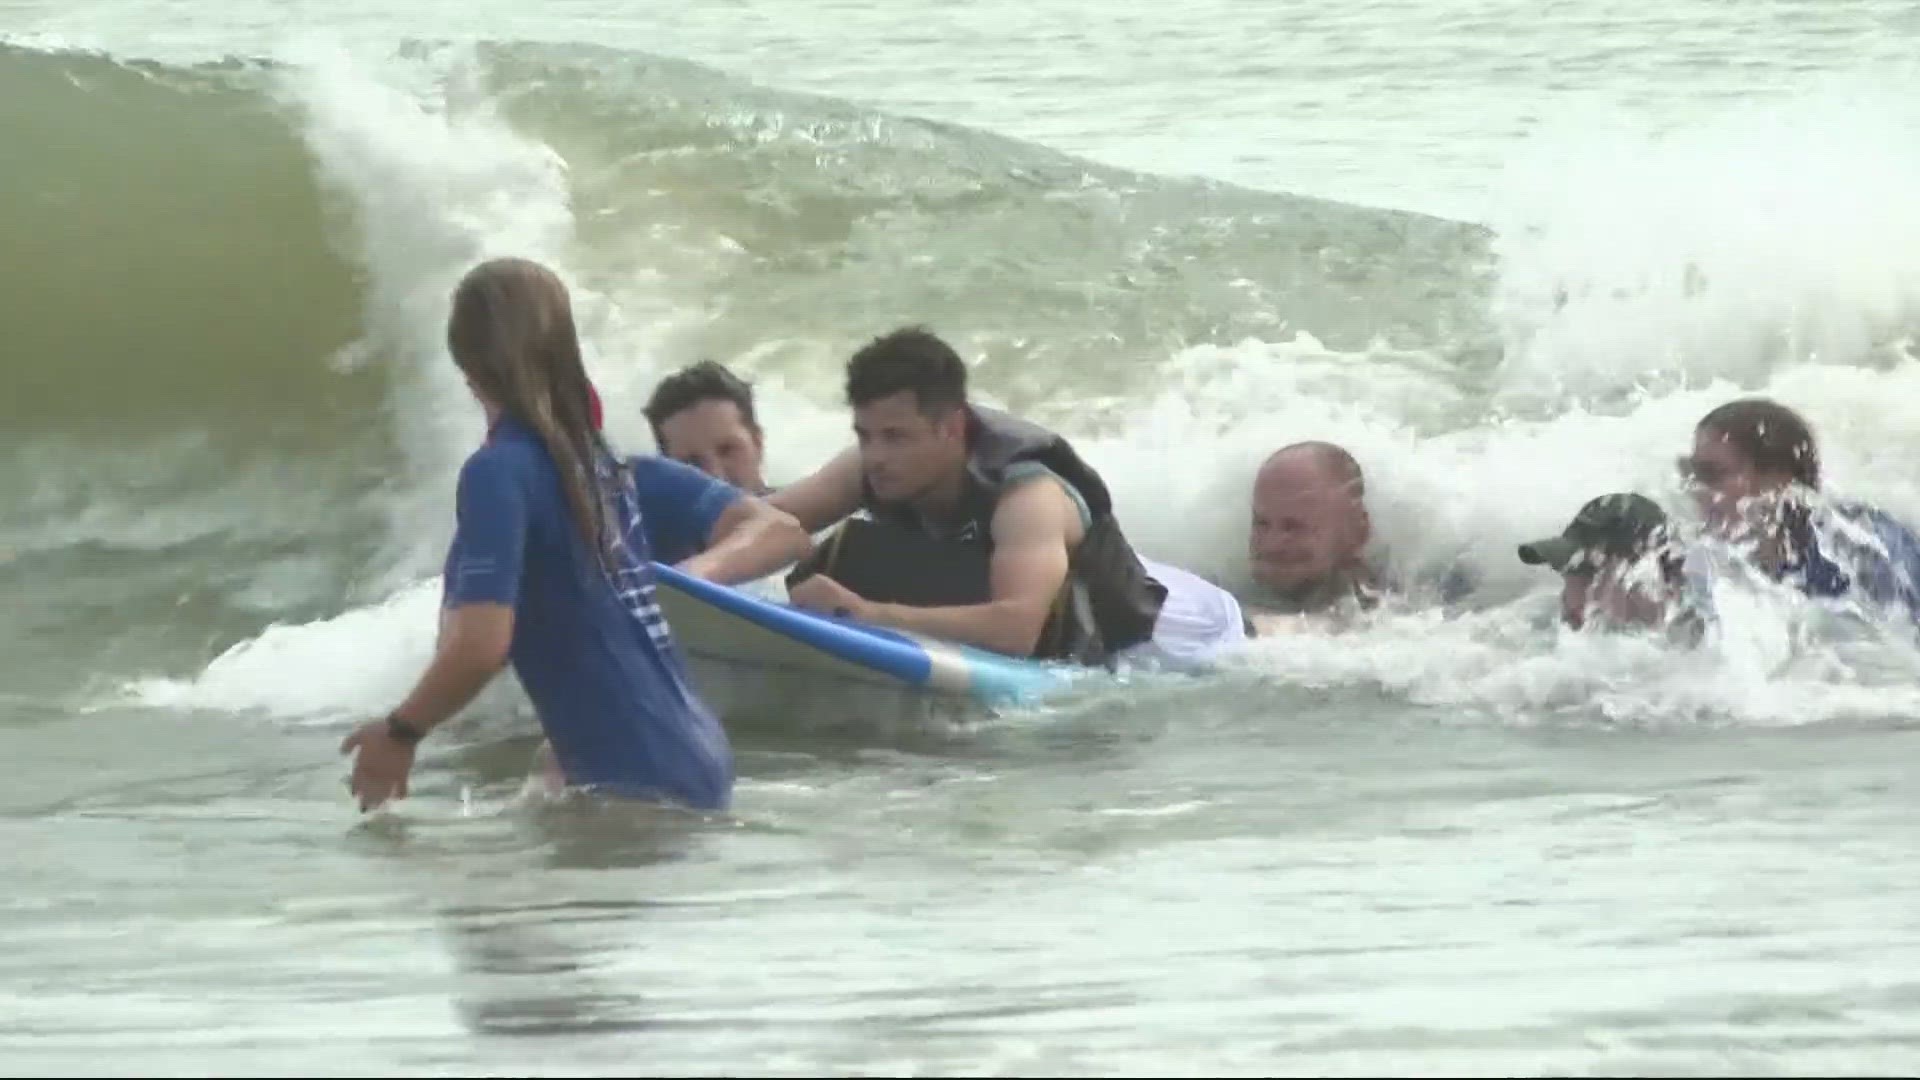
<point x="1198" y="620"/>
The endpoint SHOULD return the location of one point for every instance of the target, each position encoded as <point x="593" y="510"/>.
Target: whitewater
<point x="1506" y="256"/>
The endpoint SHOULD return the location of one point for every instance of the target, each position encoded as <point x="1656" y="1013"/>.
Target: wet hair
<point x="707" y="380"/>
<point x="910" y="358"/>
<point x="511" y="332"/>
<point x="1775" y="438"/>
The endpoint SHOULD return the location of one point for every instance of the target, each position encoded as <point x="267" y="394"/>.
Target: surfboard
<point x="749" y="633"/>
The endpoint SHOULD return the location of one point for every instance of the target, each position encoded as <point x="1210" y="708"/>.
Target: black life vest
<point x="1108" y="603"/>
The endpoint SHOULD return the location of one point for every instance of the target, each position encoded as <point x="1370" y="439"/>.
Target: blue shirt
<point x="680" y="505"/>
<point x="1859" y="553"/>
<point x="1861" y="549"/>
<point x="591" y="648"/>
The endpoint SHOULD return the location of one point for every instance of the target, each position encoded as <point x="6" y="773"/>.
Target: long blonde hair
<point x="512" y="334"/>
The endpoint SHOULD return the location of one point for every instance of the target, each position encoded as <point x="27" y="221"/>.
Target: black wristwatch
<point x="402" y="732"/>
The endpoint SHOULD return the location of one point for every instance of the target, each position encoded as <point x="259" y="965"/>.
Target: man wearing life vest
<point x="981" y="528"/>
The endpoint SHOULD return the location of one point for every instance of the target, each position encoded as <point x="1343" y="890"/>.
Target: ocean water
<point x="1508" y="254"/>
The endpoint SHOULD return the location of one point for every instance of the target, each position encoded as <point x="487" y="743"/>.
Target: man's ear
<point x="953" y="426"/>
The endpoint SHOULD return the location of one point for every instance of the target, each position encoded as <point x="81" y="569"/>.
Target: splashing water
<point x="1642" y="280"/>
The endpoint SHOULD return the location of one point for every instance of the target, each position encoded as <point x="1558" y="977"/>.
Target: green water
<point x="1465" y="239"/>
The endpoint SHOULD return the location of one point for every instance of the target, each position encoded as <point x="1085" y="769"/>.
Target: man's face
<point x="713" y="437"/>
<point x="1613" y="593"/>
<point x="905" y="453"/>
<point x="1306" y="526"/>
<point x="1575" y="585"/>
<point x="1731" y="494"/>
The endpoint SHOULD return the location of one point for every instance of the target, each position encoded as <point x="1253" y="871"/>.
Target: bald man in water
<point x="1310" y="532"/>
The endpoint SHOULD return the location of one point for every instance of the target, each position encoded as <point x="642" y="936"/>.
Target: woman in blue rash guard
<point x="550" y="569"/>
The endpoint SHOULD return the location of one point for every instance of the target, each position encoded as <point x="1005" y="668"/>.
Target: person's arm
<point x="828" y="496"/>
<point x="1031" y="530"/>
<point x="749" y="540"/>
<point x="710" y="529"/>
<point x="476" y="630"/>
<point x="483" y="583"/>
<point x="472" y="651"/>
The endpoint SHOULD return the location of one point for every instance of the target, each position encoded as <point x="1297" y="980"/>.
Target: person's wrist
<point x="404" y="732"/>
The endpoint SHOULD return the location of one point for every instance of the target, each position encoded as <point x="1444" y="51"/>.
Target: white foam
<point x="1774" y="664"/>
<point x="1797" y="221"/>
<point x="1804" y="243"/>
<point x="436" y="180"/>
<point x="362" y="661"/>
<point x="1734" y="246"/>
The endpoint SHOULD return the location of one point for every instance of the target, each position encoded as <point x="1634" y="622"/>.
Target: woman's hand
<point x="474" y="641"/>
<point x="382" y="765"/>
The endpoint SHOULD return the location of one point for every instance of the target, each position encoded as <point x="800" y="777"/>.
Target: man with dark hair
<point x="984" y="529"/>
<point x="703" y="415"/>
<point x="1755" y="474"/>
